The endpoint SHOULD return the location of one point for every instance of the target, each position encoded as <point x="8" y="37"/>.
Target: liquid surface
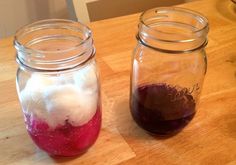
<point x="64" y="140"/>
<point x="162" y="109"/>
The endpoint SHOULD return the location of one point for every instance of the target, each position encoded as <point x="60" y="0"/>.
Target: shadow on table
<point x="61" y="159"/>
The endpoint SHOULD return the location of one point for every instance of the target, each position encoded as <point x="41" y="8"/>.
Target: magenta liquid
<point x="64" y="140"/>
<point x="161" y="109"/>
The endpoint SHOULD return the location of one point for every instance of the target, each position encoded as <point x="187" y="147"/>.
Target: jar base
<point x="165" y="129"/>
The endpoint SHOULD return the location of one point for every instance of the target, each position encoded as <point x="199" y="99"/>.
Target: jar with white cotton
<point x="58" y="85"/>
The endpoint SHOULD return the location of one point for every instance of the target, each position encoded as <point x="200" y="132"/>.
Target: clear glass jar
<point x="168" y="68"/>
<point x="58" y="85"/>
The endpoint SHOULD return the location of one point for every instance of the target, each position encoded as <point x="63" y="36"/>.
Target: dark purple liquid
<point x="162" y="109"/>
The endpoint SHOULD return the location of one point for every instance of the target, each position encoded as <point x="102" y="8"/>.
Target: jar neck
<point x="54" y="44"/>
<point x="173" y="30"/>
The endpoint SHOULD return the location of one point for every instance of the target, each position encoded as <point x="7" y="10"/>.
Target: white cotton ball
<point x="31" y="101"/>
<point x="65" y="79"/>
<point x="86" y="78"/>
<point x="88" y="106"/>
<point x="31" y="95"/>
<point x="71" y="97"/>
<point x="39" y="82"/>
<point x="66" y="102"/>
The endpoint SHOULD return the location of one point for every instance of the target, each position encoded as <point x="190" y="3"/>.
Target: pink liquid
<point x="64" y="140"/>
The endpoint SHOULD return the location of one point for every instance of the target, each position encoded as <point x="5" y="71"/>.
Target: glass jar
<point x="168" y="68"/>
<point x="58" y="85"/>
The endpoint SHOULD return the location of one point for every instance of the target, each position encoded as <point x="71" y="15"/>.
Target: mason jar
<point x="168" y="68"/>
<point x="58" y="85"/>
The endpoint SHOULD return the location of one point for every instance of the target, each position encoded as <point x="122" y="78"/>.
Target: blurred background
<point x="16" y="13"/>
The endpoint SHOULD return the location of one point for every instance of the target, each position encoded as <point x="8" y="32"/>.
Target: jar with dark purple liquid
<point x="168" y="68"/>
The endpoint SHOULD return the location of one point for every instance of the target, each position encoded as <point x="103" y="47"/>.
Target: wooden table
<point x="209" y="139"/>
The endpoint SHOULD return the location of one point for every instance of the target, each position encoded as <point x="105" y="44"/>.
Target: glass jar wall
<point x="58" y="85"/>
<point x="168" y="69"/>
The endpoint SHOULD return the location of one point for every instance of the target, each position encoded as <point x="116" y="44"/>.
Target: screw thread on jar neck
<point x="173" y="30"/>
<point x="53" y="44"/>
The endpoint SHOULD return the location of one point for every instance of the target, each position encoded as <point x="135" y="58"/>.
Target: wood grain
<point x="209" y="139"/>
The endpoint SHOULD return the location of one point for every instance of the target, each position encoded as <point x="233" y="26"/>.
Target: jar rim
<point x="173" y="29"/>
<point x="163" y="10"/>
<point x="46" y="23"/>
<point x="53" y="44"/>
